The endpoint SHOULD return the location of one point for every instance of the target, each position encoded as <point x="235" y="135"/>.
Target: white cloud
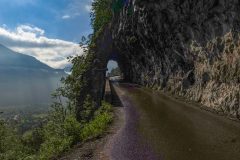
<point x="76" y="8"/>
<point x="31" y="40"/>
<point x="66" y="17"/>
<point x="88" y="8"/>
<point x="29" y="31"/>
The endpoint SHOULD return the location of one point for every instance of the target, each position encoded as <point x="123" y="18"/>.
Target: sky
<point x="49" y="30"/>
<point x="111" y="65"/>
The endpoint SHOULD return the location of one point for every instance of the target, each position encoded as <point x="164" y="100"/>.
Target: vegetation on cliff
<point x="101" y="15"/>
<point x="60" y="133"/>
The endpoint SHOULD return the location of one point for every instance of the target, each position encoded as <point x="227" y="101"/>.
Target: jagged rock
<point x="189" y="48"/>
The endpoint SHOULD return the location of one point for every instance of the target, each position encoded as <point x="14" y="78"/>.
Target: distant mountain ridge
<point x="11" y="59"/>
<point x="26" y="81"/>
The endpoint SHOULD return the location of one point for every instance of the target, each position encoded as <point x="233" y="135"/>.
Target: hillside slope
<point x="9" y="58"/>
<point x="24" y="80"/>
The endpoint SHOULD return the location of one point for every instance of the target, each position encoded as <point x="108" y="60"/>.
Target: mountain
<point x="24" y="80"/>
<point x="11" y="59"/>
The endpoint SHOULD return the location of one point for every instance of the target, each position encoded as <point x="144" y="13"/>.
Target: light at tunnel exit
<point x="111" y="65"/>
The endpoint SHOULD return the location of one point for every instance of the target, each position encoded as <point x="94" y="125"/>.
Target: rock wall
<point x="190" y="48"/>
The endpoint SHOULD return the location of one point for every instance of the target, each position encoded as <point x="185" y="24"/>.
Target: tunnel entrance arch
<point x="104" y="52"/>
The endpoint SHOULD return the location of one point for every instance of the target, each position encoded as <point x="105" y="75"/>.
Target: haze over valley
<point x="26" y="81"/>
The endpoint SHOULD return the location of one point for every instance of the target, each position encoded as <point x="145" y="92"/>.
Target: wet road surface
<point x="159" y="127"/>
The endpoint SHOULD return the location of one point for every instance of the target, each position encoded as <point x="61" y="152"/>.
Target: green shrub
<point x="103" y="117"/>
<point x="101" y="13"/>
<point x="33" y="139"/>
<point x="54" y="146"/>
<point x="11" y="147"/>
<point x="88" y="109"/>
<point x="59" y="137"/>
<point x="72" y="128"/>
<point x="105" y="108"/>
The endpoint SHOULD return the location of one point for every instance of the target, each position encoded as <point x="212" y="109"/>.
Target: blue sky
<point x="46" y="29"/>
<point x="62" y="19"/>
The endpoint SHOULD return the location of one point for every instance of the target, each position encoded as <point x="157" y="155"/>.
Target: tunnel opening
<point x="110" y="64"/>
<point x="113" y="75"/>
<point x="114" y="72"/>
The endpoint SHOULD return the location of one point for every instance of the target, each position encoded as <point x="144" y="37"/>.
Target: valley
<point x="26" y="87"/>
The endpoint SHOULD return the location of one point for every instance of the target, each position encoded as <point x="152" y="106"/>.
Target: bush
<point x="72" y="128"/>
<point x="54" y="146"/>
<point x="103" y="117"/>
<point x="88" y="109"/>
<point x="33" y="139"/>
<point x="11" y="147"/>
<point x="59" y="137"/>
<point x="105" y="108"/>
<point x="101" y="14"/>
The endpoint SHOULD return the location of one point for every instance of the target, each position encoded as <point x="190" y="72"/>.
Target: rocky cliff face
<point x="190" y="48"/>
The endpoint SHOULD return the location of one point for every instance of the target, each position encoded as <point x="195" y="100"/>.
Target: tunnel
<point x="106" y="51"/>
<point x="113" y="70"/>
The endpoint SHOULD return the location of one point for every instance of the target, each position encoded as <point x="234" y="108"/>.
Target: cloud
<point x="31" y="40"/>
<point x="76" y="8"/>
<point x="66" y="17"/>
<point x="29" y="31"/>
<point x="88" y="8"/>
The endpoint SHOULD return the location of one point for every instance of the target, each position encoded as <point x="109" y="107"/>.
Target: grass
<point x="61" y="137"/>
<point x="96" y="127"/>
